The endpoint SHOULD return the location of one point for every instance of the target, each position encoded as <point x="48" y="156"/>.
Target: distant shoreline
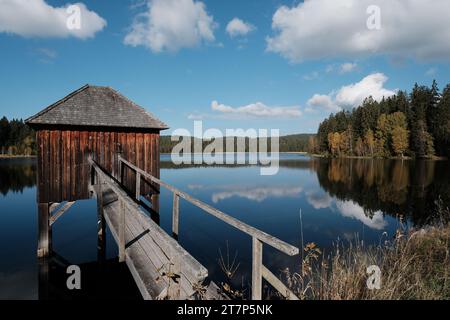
<point x="290" y="152"/>
<point x="435" y="158"/>
<point x="7" y="156"/>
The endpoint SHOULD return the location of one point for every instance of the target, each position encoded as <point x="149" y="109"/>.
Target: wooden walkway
<point x="161" y="268"/>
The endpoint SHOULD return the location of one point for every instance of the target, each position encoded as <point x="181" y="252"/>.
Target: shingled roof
<point x="99" y="107"/>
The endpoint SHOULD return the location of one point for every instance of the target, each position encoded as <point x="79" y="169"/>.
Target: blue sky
<point x="287" y="77"/>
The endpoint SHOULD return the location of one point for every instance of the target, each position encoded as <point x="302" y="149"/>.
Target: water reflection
<point x="250" y="192"/>
<point x="338" y="198"/>
<point x="407" y="188"/>
<point x="17" y="174"/>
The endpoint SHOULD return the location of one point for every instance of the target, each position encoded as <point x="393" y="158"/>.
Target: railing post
<point x="256" y="269"/>
<point x="120" y="177"/>
<point x="138" y="185"/>
<point x="175" y="214"/>
<point x="121" y="231"/>
<point x="101" y="244"/>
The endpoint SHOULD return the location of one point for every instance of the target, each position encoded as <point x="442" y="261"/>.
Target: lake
<point x="324" y="201"/>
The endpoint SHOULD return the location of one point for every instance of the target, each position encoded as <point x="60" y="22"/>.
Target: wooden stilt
<point x="44" y="231"/>
<point x="155" y="202"/>
<point x="43" y="280"/>
<point x="101" y="224"/>
<point x="256" y="269"/>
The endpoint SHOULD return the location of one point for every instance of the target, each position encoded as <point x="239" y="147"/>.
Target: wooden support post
<point x="121" y="231"/>
<point x="155" y="208"/>
<point x="43" y="278"/>
<point x="138" y="186"/>
<point x="256" y="269"/>
<point x="175" y="214"/>
<point x="155" y="202"/>
<point x="44" y="231"/>
<point x="120" y="177"/>
<point x="101" y="224"/>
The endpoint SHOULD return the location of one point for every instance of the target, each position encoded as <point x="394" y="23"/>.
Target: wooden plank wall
<point x="63" y="171"/>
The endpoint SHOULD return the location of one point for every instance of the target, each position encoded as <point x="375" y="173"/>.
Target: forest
<point x="415" y="125"/>
<point x="289" y="143"/>
<point x="16" y="138"/>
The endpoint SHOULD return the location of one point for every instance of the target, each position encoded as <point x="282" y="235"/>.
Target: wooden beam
<point x="44" y="231"/>
<point x="256" y="269"/>
<point x="175" y="214"/>
<point x="60" y="212"/>
<point x="277" y="284"/>
<point x="53" y="206"/>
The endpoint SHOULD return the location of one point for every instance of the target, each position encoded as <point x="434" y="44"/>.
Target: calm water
<point x="339" y="200"/>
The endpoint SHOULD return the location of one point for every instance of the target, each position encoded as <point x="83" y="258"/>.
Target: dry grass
<point x="415" y="265"/>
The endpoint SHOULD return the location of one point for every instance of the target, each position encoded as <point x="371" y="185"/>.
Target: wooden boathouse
<point x="96" y="143"/>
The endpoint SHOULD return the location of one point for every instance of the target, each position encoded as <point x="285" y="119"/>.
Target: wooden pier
<point x="97" y="143"/>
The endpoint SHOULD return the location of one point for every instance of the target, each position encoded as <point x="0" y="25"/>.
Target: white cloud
<point x="323" y="101"/>
<point x="311" y="76"/>
<point x="319" y="199"/>
<point x="237" y="27"/>
<point x="353" y="95"/>
<point x="35" y="18"/>
<point x="351" y="209"/>
<point x="316" y="29"/>
<point x="258" y="109"/>
<point x="347" y="67"/>
<point x="258" y="194"/>
<point x="170" y="25"/>
<point x="249" y="192"/>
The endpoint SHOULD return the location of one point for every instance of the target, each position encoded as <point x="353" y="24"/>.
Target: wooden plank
<point x="65" y="164"/>
<point x="107" y="154"/>
<point x="56" y="165"/>
<point x="46" y="165"/>
<point x="141" y="268"/>
<point x="277" y="284"/>
<point x="140" y="154"/>
<point x="256" y="269"/>
<point x="85" y="165"/>
<point x="142" y="234"/>
<point x="168" y="244"/>
<point x="73" y="165"/>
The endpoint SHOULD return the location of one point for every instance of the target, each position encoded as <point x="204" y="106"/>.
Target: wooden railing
<point x="259" y="271"/>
